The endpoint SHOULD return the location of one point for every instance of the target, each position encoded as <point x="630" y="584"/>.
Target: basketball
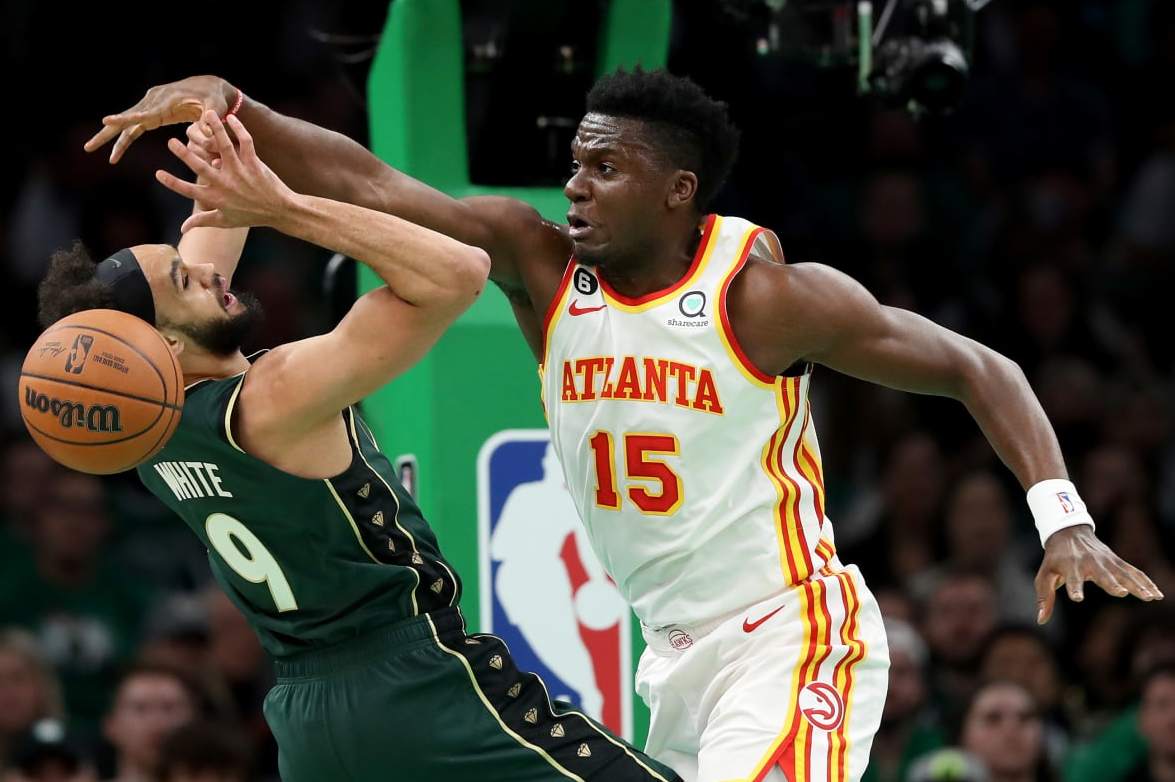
<point x="100" y="391"/>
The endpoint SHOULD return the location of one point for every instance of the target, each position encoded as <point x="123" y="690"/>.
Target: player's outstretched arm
<point x="430" y="279"/>
<point x="316" y="161"/>
<point x="812" y="312"/>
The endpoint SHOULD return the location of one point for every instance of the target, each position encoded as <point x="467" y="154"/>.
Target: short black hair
<point x="200" y="747"/>
<point x="692" y="129"/>
<point x="70" y="286"/>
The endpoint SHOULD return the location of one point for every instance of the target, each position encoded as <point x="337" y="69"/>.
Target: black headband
<point x="132" y="293"/>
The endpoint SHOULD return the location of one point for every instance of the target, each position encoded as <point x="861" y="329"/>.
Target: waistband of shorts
<point x="377" y="644"/>
<point x="676" y="638"/>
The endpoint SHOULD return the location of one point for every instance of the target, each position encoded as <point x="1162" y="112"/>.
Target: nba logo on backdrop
<point x="542" y="590"/>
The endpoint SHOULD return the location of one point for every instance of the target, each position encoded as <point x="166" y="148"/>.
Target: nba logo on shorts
<point x="542" y="590"/>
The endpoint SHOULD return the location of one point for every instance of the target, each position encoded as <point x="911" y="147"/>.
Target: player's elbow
<point x="984" y="370"/>
<point x="471" y="270"/>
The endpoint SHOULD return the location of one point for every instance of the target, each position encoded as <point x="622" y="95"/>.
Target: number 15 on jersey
<point x="638" y="450"/>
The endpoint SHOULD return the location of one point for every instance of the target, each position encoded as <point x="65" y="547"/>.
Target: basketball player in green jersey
<point x="308" y="530"/>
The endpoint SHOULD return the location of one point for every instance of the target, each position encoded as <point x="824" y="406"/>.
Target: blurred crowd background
<point x="1038" y="218"/>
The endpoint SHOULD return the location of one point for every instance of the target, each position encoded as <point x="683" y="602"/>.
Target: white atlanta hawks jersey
<point x="697" y="476"/>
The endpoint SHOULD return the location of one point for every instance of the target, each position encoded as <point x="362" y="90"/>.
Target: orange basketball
<point x="100" y="391"/>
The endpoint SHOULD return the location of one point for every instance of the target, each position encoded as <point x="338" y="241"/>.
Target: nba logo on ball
<point x="542" y="590"/>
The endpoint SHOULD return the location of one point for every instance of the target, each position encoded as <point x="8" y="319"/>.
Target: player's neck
<point x="205" y="366"/>
<point x="661" y="266"/>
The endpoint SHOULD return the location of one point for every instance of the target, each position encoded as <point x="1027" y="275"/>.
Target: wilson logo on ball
<point x="96" y="418"/>
<point x="78" y="355"/>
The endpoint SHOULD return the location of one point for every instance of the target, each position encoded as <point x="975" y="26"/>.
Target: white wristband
<point x="1056" y="505"/>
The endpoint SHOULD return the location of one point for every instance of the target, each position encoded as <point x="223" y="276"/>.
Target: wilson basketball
<point x="100" y="391"/>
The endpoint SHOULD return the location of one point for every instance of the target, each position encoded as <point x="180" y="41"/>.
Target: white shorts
<point x="791" y="687"/>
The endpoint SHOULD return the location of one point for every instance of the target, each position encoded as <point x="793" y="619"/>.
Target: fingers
<point x="176" y="185"/>
<point x="243" y="138"/>
<point x="1131" y="580"/>
<point x="99" y="139"/>
<point x="199" y="166"/>
<point x="1046" y="594"/>
<point x="125" y="139"/>
<point x="212" y="218"/>
<point x="1074" y="583"/>
<point x="224" y="144"/>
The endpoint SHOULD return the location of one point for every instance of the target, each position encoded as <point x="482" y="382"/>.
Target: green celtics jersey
<point x="310" y="562"/>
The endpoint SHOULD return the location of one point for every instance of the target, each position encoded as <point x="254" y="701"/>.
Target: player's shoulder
<point x="775" y="307"/>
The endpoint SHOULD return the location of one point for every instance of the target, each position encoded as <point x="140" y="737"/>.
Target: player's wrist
<point x="1056" y="505"/>
<point x="233" y="97"/>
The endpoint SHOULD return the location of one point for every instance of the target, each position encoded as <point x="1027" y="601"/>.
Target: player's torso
<point x="697" y="477"/>
<point x="309" y="562"/>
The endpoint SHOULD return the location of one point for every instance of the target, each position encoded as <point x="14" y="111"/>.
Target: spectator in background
<point x="236" y="656"/>
<point x="48" y="753"/>
<point x="1156" y="723"/>
<point x="25" y="471"/>
<point x="150" y="702"/>
<point x="29" y="690"/>
<point x="907" y="729"/>
<point x="1120" y="748"/>
<point x="1021" y="654"/>
<point x="959" y="616"/>
<point x="202" y="752"/>
<point x="890" y="532"/>
<point x="84" y="611"/>
<point x="1003" y="729"/>
<point x="980" y="541"/>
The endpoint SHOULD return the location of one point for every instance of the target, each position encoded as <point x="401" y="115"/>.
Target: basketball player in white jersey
<point x="675" y="351"/>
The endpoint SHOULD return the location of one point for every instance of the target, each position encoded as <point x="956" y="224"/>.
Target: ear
<point x="174" y="343"/>
<point x="683" y="187"/>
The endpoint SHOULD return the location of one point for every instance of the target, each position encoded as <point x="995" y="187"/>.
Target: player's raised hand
<point x="202" y="142"/>
<point x="241" y="191"/>
<point x="1075" y="555"/>
<point x="166" y="104"/>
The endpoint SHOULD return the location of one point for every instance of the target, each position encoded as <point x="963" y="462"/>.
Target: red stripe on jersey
<point x="724" y="317"/>
<point x="553" y="307"/>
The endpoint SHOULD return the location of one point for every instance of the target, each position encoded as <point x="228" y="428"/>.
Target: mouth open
<point x="579" y="227"/>
<point x="227" y="299"/>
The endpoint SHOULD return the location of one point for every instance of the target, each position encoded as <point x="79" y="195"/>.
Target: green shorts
<point x="421" y="701"/>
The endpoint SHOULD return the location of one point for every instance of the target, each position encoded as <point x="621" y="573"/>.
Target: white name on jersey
<point x="192" y="480"/>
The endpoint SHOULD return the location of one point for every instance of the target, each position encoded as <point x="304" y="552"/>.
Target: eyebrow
<point x="175" y="272"/>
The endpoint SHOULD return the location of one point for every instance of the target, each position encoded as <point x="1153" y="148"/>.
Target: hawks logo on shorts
<point x="542" y="590"/>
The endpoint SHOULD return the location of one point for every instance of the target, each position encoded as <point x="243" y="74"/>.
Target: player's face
<point x="195" y="299"/>
<point x="618" y="190"/>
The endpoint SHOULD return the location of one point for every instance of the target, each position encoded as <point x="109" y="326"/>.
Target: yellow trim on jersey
<point x="678" y="287"/>
<point x="721" y="327"/>
<point x="844" y="683"/>
<point x="793" y="710"/>
<point x="490" y="707"/>
<point x="788" y="521"/>
<point x="549" y="335"/>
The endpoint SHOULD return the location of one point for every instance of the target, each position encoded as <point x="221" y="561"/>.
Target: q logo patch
<point x="693" y="304"/>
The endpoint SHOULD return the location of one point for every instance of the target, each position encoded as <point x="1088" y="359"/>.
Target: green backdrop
<point x="480" y="378"/>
